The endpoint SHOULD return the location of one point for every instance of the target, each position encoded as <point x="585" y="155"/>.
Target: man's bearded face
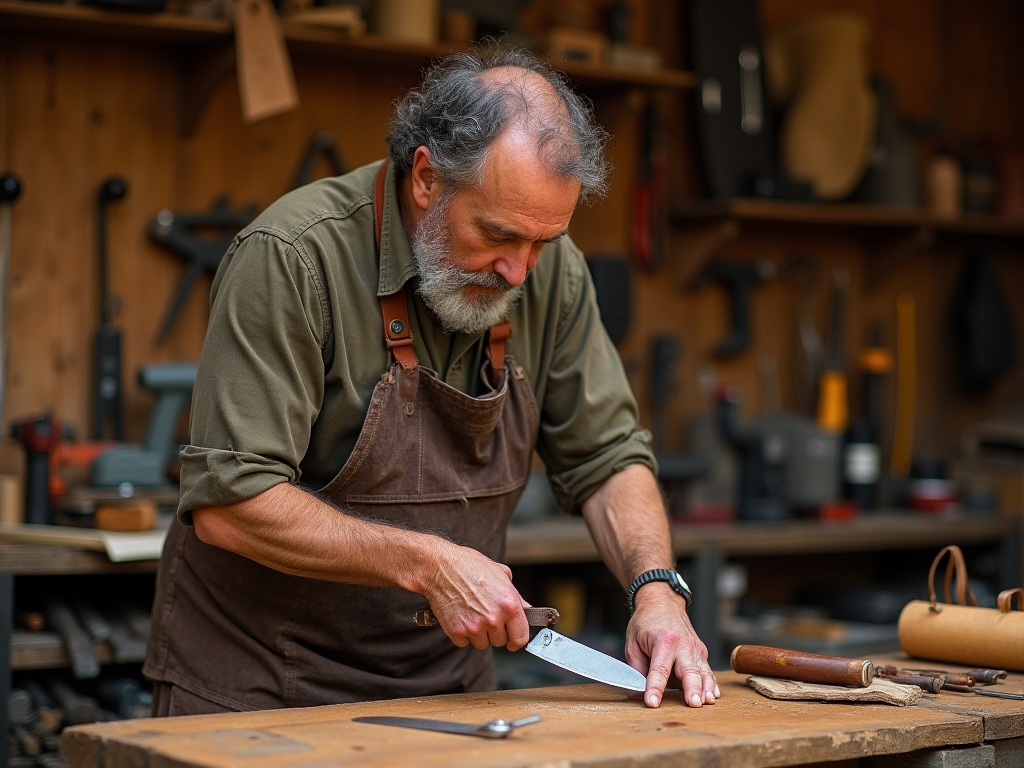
<point x="443" y="285"/>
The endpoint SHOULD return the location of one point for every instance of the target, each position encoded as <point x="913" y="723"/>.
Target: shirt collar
<point x="396" y="262"/>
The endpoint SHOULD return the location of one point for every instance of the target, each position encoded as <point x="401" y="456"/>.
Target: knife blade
<point x="585" y="661"/>
<point x="492" y="729"/>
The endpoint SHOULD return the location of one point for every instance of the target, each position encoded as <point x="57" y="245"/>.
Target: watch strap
<point x="679" y="586"/>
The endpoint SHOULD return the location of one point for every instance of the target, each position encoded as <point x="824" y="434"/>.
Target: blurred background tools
<point x="106" y="484"/>
<point x="107" y="416"/>
<point x="739" y="280"/>
<point x="201" y="238"/>
<point x="833" y="396"/>
<point x="146" y="465"/>
<point x="10" y="190"/>
<point x="38" y="435"/>
<point x="321" y="145"/>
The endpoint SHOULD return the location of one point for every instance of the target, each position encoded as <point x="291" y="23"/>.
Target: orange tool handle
<point x="801" y="666"/>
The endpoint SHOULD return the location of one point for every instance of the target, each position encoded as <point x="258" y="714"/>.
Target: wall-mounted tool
<point x="10" y="190"/>
<point x="739" y="279"/>
<point x="906" y="387"/>
<point x="760" y="492"/>
<point x="833" y="399"/>
<point x="810" y="361"/>
<point x="107" y="416"/>
<point x="613" y="284"/>
<point x="672" y="467"/>
<point x="39" y="435"/>
<point x="146" y="464"/>
<point x="181" y="233"/>
<point x="650" y="195"/>
<point x="322" y="144"/>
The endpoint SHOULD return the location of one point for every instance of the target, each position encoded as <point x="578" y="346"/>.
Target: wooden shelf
<point x="46" y="650"/>
<point x="704" y="226"/>
<point x="567" y="540"/>
<point x="846" y="214"/>
<point x="42" y="560"/>
<point x="302" y="39"/>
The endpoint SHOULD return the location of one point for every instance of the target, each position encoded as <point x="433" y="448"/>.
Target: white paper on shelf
<point x="119" y="547"/>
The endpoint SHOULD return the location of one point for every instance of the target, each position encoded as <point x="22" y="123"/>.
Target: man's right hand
<point x="474" y="601"/>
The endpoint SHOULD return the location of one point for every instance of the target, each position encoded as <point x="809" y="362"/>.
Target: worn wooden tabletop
<point x="582" y="725"/>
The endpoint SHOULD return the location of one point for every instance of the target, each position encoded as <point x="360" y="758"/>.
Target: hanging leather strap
<point x="957" y="565"/>
<point x="395" y="308"/>
<point x="1005" y="599"/>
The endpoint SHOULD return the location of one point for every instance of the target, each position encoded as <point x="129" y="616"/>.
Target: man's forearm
<point x="292" y="531"/>
<point x="626" y="518"/>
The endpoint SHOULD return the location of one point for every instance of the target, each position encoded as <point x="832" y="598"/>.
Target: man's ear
<point x="422" y="177"/>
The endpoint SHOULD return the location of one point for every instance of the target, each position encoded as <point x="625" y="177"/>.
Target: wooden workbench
<point x="582" y="725"/>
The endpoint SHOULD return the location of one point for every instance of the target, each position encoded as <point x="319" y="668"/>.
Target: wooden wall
<point x="74" y="110"/>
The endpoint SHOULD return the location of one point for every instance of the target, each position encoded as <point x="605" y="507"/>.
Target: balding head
<point x="467" y="101"/>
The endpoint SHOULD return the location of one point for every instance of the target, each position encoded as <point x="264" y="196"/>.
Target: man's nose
<point x="514" y="265"/>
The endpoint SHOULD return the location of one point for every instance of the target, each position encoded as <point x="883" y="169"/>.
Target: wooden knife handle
<point x="801" y="666"/>
<point x="536" y="617"/>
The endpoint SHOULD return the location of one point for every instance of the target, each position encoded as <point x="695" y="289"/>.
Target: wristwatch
<point x="674" y="580"/>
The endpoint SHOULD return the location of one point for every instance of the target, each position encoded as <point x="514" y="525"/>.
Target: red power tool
<point x="40" y="435"/>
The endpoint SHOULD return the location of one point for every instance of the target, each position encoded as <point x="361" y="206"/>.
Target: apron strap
<point x="496" y="338"/>
<point x="395" y="308"/>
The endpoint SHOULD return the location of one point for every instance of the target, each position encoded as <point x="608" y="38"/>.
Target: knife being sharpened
<point x="563" y="652"/>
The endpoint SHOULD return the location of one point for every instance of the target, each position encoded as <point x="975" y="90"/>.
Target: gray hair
<point x="457" y="114"/>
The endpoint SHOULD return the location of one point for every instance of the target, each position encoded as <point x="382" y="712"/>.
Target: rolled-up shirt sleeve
<point x="260" y="383"/>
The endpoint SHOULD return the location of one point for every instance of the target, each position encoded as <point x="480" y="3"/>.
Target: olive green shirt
<point x="295" y="346"/>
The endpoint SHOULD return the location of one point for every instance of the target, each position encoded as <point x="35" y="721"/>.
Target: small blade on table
<point x="493" y="729"/>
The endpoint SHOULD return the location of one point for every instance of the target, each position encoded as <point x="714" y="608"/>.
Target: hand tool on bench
<point x="559" y="650"/>
<point x="1000" y="694"/>
<point x="801" y="666"/>
<point x="492" y="729"/>
<point x="960" y="682"/>
<point x="106" y="403"/>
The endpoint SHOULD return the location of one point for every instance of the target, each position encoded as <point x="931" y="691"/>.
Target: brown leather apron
<point x="428" y="457"/>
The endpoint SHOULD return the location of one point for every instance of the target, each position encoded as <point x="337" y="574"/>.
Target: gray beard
<point x="441" y="283"/>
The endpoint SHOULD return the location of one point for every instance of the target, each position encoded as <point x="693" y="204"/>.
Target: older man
<point x="386" y="350"/>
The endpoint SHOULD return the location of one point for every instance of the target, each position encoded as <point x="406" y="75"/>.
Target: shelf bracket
<point x="698" y="243"/>
<point x="203" y="71"/>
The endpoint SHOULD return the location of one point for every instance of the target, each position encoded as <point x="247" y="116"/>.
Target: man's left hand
<point x="661" y="643"/>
